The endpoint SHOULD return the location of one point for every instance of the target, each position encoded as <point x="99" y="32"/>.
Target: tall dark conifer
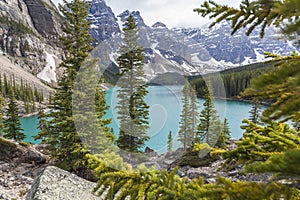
<point x="63" y="139"/>
<point x="43" y="125"/>
<point x="209" y="126"/>
<point x="224" y="135"/>
<point x="133" y="112"/>
<point x="12" y="124"/>
<point x="170" y="142"/>
<point x="189" y="117"/>
<point x="89" y="109"/>
<point x="255" y="112"/>
<point x="2" y="102"/>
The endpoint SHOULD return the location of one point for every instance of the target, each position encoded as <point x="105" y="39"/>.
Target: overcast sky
<point x="173" y="13"/>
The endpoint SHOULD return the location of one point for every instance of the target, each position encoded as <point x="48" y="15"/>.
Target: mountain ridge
<point x="190" y="51"/>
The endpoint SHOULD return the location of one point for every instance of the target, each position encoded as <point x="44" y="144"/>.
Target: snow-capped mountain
<point x="237" y="49"/>
<point x="104" y="22"/>
<point x="186" y="51"/>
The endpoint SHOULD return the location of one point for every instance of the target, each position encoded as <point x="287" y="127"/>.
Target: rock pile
<point x="19" y="165"/>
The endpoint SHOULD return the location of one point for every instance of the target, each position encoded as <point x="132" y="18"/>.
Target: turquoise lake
<point x="165" y="109"/>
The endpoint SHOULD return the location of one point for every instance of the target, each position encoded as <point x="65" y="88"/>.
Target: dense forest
<point x="22" y="91"/>
<point x="235" y="80"/>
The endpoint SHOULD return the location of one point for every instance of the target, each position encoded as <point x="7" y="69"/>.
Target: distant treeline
<point x="233" y="81"/>
<point x="22" y="92"/>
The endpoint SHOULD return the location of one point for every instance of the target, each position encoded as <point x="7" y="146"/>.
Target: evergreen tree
<point x="255" y="112"/>
<point x="158" y="184"/>
<point x="43" y="125"/>
<point x="194" y="114"/>
<point x="209" y="127"/>
<point x="170" y="142"/>
<point x="283" y="165"/>
<point x="89" y="109"/>
<point x="64" y="141"/>
<point x="6" y="86"/>
<point x="101" y="109"/>
<point x="2" y="103"/>
<point x="189" y="118"/>
<point x="12" y="124"/>
<point x="185" y="135"/>
<point x="1" y="86"/>
<point x="260" y="142"/>
<point x="133" y="112"/>
<point x="224" y="135"/>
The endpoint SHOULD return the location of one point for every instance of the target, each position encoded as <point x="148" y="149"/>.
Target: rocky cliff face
<point x="29" y="32"/>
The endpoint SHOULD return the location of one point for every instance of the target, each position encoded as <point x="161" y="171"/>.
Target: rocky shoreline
<point x="26" y="173"/>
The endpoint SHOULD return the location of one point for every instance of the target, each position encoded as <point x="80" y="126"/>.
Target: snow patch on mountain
<point x="48" y="74"/>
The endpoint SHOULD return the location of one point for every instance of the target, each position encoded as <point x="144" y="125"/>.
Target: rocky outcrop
<point x="19" y="165"/>
<point x="54" y="183"/>
<point x="29" y="31"/>
<point x="44" y="17"/>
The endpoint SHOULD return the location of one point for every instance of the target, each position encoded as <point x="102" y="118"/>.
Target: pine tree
<point x="133" y="112"/>
<point x="6" y="86"/>
<point x="1" y="86"/>
<point x="189" y="117"/>
<point x="194" y="114"/>
<point x="43" y="125"/>
<point x="209" y="127"/>
<point x="64" y="142"/>
<point x="185" y="135"/>
<point x="260" y="142"/>
<point x="89" y="109"/>
<point x="2" y="103"/>
<point x="170" y="142"/>
<point x="12" y="124"/>
<point x="285" y="165"/>
<point x="224" y="135"/>
<point x="101" y="110"/>
<point x="255" y="112"/>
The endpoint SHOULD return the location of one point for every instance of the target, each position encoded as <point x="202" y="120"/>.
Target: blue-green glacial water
<point x="165" y="110"/>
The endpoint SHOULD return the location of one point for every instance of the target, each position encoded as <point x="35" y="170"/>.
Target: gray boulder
<point x="55" y="183"/>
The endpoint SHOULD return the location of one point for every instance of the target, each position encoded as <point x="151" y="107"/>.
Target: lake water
<point x="165" y="109"/>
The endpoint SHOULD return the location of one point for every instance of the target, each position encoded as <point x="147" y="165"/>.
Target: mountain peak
<point x="104" y="23"/>
<point x="159" y="25"/>
<point x="137" y="16"/>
